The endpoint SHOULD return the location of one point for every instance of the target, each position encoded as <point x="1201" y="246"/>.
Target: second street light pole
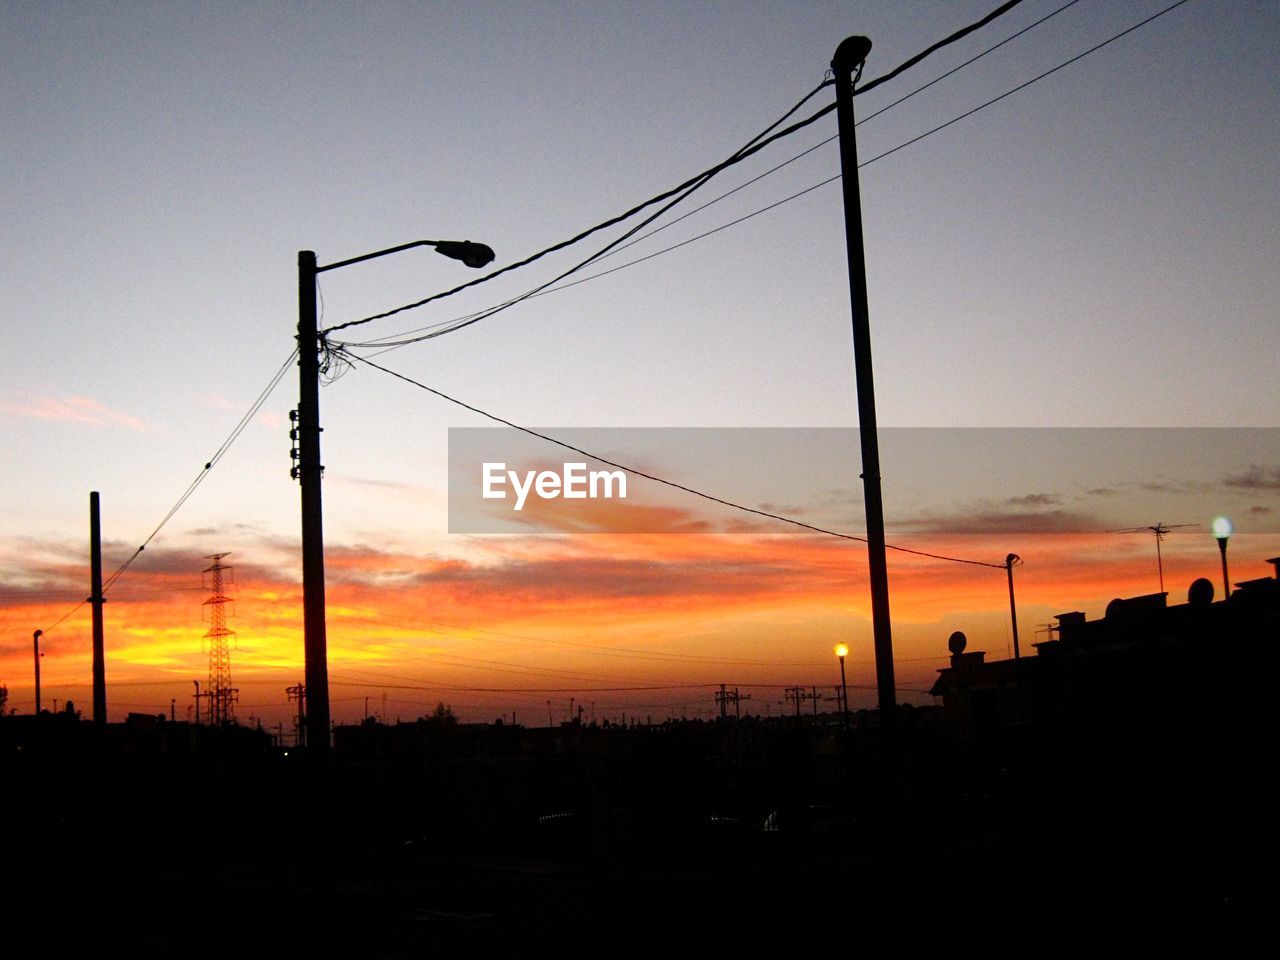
<point x="1010" y="562"/>
<point x="849" y="56"/>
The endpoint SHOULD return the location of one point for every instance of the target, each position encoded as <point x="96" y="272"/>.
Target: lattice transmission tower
<point x="221" y="696"/>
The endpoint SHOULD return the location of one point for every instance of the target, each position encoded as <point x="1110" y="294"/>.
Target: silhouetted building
<point x="1142" y="661"/>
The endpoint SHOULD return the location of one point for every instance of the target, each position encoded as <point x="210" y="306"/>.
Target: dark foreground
<point x="655" y="847"/>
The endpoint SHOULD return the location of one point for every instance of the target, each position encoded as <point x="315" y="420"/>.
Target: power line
<point x="833" y="137"/>
<point x="754" y="145"/>
<point x="64" y="617"/>
<point x="945" y="41"/>
<point x="974" y="59"/>
<point x="1023" y="86"/>
<point x="639" y="688"/>
<point x="209" y="465"/>
<point x="680" y="192"/>
<point x="662" y="480"/>
<point x="457" y="323"/>
<point x="865" y="163"/>
<point x="199" y="479"/>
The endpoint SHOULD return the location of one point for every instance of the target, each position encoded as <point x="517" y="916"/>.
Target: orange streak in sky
<point x="592" y="611"/>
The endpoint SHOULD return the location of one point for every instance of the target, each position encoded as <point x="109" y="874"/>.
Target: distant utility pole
<point x="799" y="695"/>
<point x="725" y="697"/>
<point x="35" y="640"/>
<point x="298" y="692"/>
<point x="850" y="56"/>
<point x="96" y="600"/>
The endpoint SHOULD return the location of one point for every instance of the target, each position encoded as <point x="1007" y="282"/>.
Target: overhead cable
<point x="449" y="326"/>
<point x="658" y="479"/>
<point x="754" y="146"/>
<point x="195" y="483"/>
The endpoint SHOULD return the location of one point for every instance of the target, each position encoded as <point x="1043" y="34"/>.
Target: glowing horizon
<point x="533" y="619"/>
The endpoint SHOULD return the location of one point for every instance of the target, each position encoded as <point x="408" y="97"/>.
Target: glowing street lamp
<point x="1222" y="528"/>
<point x="842" y="651"/>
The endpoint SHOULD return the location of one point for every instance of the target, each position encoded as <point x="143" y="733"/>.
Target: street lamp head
<point x="842" y="650"/>
<point x="474" y="255"/>
<point x="1222" y="528"/>
<point x="850" y="54"/>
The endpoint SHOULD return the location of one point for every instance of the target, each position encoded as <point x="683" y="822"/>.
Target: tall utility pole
<point x="315" y="640"/>
<point x="96" y="601"/>
<point x="298" y="692"/>
<point x="850" y="56"/>
<point x="309" y="469"/>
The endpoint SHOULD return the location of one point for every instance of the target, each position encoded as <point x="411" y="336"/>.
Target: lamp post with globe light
<point x="1222" y="528"/>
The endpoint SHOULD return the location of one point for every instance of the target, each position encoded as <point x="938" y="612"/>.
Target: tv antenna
<point x="1160" y="529"/>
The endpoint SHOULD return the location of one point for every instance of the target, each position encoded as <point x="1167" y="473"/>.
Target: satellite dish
<point x="956" y="643"/>
<point x="1200" y="593"/>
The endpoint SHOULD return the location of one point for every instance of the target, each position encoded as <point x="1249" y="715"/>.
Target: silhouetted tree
<point x="442" y="715"/>
<point x="4" y="697"/>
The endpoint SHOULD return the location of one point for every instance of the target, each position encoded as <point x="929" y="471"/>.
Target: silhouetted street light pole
<point x="1009" y="563"/>
<point x="315" y="643"/>
<point x="1222" y="529"/>
<point x="849" y="56"/>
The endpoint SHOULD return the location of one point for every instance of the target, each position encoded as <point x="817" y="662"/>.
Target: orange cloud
<point x="509" y="618"/>
<point x="75" y="410"/>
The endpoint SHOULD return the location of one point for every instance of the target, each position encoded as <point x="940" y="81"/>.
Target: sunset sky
<point x="1099" y="250"/>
